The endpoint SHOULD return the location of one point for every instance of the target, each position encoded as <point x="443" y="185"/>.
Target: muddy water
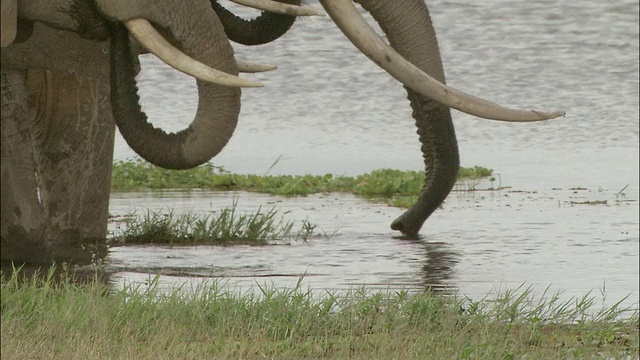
<point x="329" y="110"/>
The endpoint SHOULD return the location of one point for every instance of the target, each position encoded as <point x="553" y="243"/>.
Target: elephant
<point x="68" y="78"/>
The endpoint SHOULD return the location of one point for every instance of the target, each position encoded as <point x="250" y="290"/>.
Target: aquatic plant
<point x="396" y="187"/>
<point x="220" y="227"/>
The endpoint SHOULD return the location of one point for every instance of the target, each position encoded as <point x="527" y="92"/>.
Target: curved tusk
<point x="280" y="8"/>
<point x="356" y="29"/>
<point x="9" y="22"/>
<point x="249" y="67"/>
<point x="149" y="37"/>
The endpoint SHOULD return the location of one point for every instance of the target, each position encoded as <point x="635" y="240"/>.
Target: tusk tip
<point x="549" y="115"/>
<point x="246" y="67"/>
<point x="149" y="37"/>
<point x="314" y="12"/>
<point x="269" y="68"/>
<point x="253" y="85"/>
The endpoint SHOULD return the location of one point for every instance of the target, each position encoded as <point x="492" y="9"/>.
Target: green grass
<point x="46" y="320"/>
<point x="395" y="187"/>
<point x="222" y="227"/>
<point x="140" y="175"/>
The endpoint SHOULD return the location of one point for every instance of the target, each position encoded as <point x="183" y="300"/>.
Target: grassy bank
<point x="397" y="188"/>
<point x="43" y="320"/>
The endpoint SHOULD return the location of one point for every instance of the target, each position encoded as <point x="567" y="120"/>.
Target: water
<point x="328" y="109"/>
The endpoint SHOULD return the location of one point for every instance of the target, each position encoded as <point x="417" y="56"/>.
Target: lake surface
<point x="328" y="109"/>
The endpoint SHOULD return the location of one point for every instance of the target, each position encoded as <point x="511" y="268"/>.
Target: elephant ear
<point x="9" y="21"/>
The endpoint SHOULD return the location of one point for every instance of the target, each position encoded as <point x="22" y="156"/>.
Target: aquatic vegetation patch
<point x="46" y="319"/>
<point x="139" y="175"/>
<point x="396" y="187"/>
<point x="475" y="172"/>
<point x="222" y="227"/>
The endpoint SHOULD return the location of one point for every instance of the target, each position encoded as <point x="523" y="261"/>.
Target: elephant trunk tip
<point x="406" y="226"/>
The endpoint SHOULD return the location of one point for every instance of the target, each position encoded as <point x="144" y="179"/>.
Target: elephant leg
<point x="22" y="222"/>
<point x="73" y="134"/>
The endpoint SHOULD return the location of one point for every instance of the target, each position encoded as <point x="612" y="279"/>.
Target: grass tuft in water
<point x="221" y="227"/>
<point x="476" y="172"/>
<point x="43" y="319"/>
<point x="397" y="188"/>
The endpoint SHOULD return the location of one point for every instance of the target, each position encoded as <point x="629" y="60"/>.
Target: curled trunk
<point x="201" y="37"/>
<point x="408" y="27"/>
<point x="261" y="30"/>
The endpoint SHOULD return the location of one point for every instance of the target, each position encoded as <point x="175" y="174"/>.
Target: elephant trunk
<point x="198" y="31"/>
<point x="408" y="27"/>
<point x="261" y="30"/>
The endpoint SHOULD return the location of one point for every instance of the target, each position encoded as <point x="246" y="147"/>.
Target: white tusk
<point x="149" y="37"/>
<point x="9" y="22"/>
<point x="355" y="27"/>
<point x="280" y="8"/>
<point x="249" y="67"/>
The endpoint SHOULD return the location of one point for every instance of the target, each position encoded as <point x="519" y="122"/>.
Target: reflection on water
<point x="439" y="266"/>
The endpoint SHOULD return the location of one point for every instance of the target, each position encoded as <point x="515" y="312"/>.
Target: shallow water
<point x="480" y="242"/>
<point x="328" y="109"/>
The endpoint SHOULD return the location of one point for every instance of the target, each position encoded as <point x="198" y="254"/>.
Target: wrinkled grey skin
<point x="57" y="119"/>
<point x="410" y="32"/>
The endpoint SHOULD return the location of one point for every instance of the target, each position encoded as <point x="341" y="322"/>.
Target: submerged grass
<point x="397" y="188"/>
<point x="43" y="319"/>
<point x="218" y="228"/>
